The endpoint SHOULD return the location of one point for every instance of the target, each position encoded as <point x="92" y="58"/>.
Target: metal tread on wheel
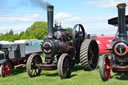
<point x="89" y="54"/>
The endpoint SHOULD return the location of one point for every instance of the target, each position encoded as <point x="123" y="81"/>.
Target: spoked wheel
<point x="78" y="34"/>
<point x="89" y="54"/>
<point x="64" y="66"/>
<point x="105" y="68"/>
<point x="5" y="69"/>
<point x="33" y="65"/>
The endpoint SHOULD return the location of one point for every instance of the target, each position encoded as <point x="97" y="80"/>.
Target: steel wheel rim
<point x="65" y="66"/>
<point x="91" y="59"/>
<point x="90" y="53"/>
<point x="107" y="68"/>
<point x="6" y="69"/>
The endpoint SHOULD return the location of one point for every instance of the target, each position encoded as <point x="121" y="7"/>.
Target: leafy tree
<point x="69" y="29"/>
<point x="36" y="31"/>
<point x="10" y="32"/>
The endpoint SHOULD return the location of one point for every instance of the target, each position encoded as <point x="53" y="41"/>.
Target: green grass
<point x="79" y="77"/>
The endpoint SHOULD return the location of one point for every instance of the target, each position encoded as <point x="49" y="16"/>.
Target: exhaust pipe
<point x="50" y="11"/>
<point x="121" y="21"/>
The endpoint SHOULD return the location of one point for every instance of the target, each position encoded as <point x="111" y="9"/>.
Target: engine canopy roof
<point x="114" y="21"/>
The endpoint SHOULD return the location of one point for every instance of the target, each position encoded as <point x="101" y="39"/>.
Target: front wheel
<point x="105" y="68"/>
<point x="33" y="65"/>
<point x="5" y="69"/>
<point x="64" y="66"/>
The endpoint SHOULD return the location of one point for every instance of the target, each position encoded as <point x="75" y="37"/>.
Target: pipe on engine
<point x="121" y="21"/>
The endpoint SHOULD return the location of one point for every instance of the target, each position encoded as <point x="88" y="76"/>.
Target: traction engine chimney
<point x="121" y="21"/>
<point x="50" y="12"/>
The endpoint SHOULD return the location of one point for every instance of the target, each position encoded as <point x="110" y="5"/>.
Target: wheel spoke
<point x="3" y="72"/>
<point x="32" y="71"/>
<point x="107" y="68"/>
<point x="78" y="34"/>
<point x="35" y="72"/>
<point x="34" y="63"/>
<point x="6" y="69"/>
<point x="91" y="56"/>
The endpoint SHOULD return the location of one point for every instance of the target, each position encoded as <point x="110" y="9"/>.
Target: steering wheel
<point x="78" y="34"/>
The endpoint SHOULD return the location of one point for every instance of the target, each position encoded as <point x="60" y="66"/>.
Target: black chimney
<point x="121" y="20"/>
<point x="50" y="9"/>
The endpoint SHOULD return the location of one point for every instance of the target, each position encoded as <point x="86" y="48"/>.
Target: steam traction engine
<point x="117" y="61"/>
<point x="62" y="50"/>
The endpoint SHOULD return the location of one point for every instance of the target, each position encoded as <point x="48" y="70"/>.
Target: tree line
<point x="36" y="31"/>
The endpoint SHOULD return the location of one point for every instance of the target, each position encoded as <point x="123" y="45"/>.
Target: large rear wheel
<point x="33" y="65"/>
<point x="64" y="66"/>
<point x="105" y="68"/>
<point x="89" y="54"/>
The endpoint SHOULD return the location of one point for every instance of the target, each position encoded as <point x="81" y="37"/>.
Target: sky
<point x="18" y="15"/>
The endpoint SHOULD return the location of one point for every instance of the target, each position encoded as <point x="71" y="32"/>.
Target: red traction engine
<point x="63" y="49"/>
<point x="104" y="42"/>
<point x="117" y="59"/>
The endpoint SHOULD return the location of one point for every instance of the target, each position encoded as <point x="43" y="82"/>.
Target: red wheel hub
<point x="6" y="69"/>
<point x="107" y="68"/>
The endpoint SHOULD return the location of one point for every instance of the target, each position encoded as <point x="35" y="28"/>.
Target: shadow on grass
<point x="121" y="75"/>
<point x="18" y="70"/>
<point x="50" y="74"/>
<point x="56" y="74"/>
<point x="77" y="68"/>
<point x="73" y="75"/>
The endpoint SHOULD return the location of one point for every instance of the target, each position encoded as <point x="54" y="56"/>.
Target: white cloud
<point x="107" y="3"/>
<point x="66" y="18"/>
<point x="15" y="28"/>
<point x="20" y="18"/>
<point x="17" y="23"/>
<point x="93" y="25"/>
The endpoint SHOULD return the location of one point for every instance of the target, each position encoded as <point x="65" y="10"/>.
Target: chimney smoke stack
<point x="50" y="13"/>
<point x="121" y="20"/>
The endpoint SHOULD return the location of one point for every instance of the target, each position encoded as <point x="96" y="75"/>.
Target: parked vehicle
<point x="104" y="42"/>
<point x="15" y="54"/>
<point x="117" y="59"/>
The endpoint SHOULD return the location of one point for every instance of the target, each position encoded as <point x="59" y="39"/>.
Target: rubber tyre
<point x="37" y="70"/>
<point x="102" y="68"/>
<point x="89" y="52"/>
<point x="63" y="61"/>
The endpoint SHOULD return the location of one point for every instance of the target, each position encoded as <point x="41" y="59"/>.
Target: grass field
<point x="79" y="77"/>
